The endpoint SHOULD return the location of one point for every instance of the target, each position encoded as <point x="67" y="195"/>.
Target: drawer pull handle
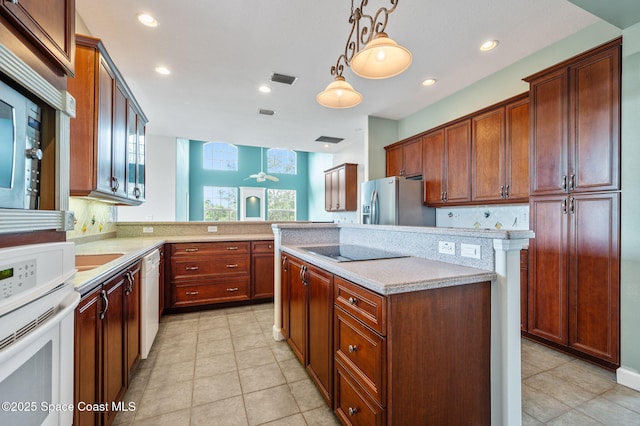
<point x="232" y="248"/>
<point x="353" y="348"/>
<point x="232" y="289"/>
<point x="191" y="268"/>
<point x="232" y="265"/>
<point x="191" y="250"/>
<point x="353" y="411"/>
<point x="191" y="293"/>
<point x="353" y="301"/>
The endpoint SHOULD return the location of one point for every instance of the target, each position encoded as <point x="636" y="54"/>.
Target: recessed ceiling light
<point x="429" y="82"/>
<point x="489" y="45"/>
<point x="326" y="145"/>
<point x="163" y="70"/>
<point x="148" y="20"/>
<point x="264" y="89"/>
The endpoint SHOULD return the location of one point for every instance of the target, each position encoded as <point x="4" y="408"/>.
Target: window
<point x="281" y="204"/>
<point x="283" y="161"/>
<point x="219" y="156"/>
<point x="220" y="203"/>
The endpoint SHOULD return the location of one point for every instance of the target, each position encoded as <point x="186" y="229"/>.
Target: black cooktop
<point x="350" y="253"/>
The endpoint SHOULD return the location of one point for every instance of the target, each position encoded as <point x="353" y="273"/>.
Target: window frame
<point x="295" y="205"/>
<point x="276" y="154"/>
<point x="226" y="209"/>
<point x="209" y="162"/>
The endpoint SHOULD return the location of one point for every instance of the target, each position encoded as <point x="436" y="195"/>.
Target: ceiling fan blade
<point x="273" y="178"/>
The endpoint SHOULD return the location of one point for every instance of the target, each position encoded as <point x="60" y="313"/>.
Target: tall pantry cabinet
<point x="574" y="263"/>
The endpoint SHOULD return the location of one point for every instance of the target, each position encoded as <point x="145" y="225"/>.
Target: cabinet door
<point x="517" y="151"/>
<point x="412" y="158"/>
<point x="433" y="167"/>
<point x="394" y="161"/>
<point x="114" y="382"/>
<point x="142" y="161"/>
<point x="132" y="152"/>
<point x="458" y="162"/>
<point x="335" y="190"/>
<point x="88" y="335"/>
<point x="594" y="275"/>
<point x="549" y="121"/>
<point x="50" y="25"/>
<point x="104" y="132"/>
<point x="327" y="192"/>
<point x="595" y="116"/>
<point x="548" y="257"/>
<point x="488" y="148"/>
<point x="132" y="318"/>
<point x="297" y="306"/>
<point x="262" y="270"/>
<point x="119" y="153"/>
<point x="320" y="320"/>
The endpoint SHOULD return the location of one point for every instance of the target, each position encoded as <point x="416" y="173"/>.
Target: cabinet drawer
<point x="201" y="267"/>
<point x="363" y="353"/>
<point x="365" y="305"/>
<point x="190" y="249"/>
<point x="262" y="247"/>
<point x="352" y="405"/>
<point x="199" y="293"/>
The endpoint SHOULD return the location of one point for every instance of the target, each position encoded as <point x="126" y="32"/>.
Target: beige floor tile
<point x="586" y="376"/>
<point x="226" y="412"/>
<point x="262" y="307"/>
<point x="307" y="395"/>
<point x="541" y="406"/>
<point x="270" y="404"/>
<point x="254" y="357"/>
<point x="214" y="334"/>
<point x="165" y="399"/>
<point x="207" y="348"/>
<point x="207" y="322"/>
<point x="175" y="354"/>
<point x="293" y="370"/>
<point x="295" y="420"/>
<point x="176" y="418"/>
<point x="282" y="351"/>
<point x="245" y="328"/>
<point x="527" y="420"/>
<point x="261" y="377"/>
<point x="216" y="364"/>
<point x="211" y="313"/>
<point x="180" y="327"/>
<point x="574" y="418"/>
<point x="562" y="390"/>
<point x="624" y="396"/>
<point x="322" y="416"/>
<point x="172" y="373"/>
<point x="609" y="413"/>
<point x="216" y="388"/>
<point x="249" y="341"/>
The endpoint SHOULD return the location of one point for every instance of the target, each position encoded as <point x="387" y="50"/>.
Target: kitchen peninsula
<point x="479" y="257"/>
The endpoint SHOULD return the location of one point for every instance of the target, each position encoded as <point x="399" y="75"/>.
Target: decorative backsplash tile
<point x="92" y="217"/>
<point x="510" y="217"/>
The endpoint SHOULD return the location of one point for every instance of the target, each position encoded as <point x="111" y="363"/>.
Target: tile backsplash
<point x="511" y="217"/>
<point x="92" y="218"/>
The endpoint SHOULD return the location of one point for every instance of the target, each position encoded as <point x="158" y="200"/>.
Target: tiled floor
<point x="222" y="367"/>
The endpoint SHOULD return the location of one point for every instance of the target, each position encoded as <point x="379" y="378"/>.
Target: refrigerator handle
<point x="374" y="208"/>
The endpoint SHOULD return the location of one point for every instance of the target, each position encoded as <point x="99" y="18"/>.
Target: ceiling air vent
<point x="284" y="79"/>
<point x="329" y="139"/>
<point x="266" y="111"/>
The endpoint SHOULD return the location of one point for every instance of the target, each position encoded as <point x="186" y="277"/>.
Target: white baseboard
<point x="628" y="378"/>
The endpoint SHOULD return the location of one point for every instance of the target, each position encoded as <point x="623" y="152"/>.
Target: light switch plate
<point x="470" y="250"/>
<point x="447" y="247"/>
<point x="147" y="229"/>
<point x="212" y="229"/>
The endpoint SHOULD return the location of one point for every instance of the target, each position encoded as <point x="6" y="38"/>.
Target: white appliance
<point x="37" y="303"/>
<point x="149" y="308"/>
<point x="395" y="201"/>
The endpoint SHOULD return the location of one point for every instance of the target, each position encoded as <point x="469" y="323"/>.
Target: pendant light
<point x="339" y="94"/>
<point x="381" y="58"/>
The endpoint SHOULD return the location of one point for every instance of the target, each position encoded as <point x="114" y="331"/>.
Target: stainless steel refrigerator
<point x="395" y="201"/>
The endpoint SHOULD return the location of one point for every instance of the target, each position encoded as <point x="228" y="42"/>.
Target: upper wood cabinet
<point x="404" y="158"/>
<point x="341" y="188"/>
<point x="107" y="135"/>
<point x="49" y="25"/>
<point x="575" y="119"/>
<point x="447" y="161"/>
<point x="500" y="158"/>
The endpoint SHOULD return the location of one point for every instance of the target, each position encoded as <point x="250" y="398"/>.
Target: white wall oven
<point x="37" y="303"/>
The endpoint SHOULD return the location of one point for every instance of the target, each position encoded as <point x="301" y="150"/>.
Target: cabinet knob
<point x="353" y="348"/>
<point x="353" y="411"/>
<point x="353" y="301"/>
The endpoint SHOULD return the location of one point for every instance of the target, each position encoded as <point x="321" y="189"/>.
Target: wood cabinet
<point x="575" y="118"/>
<point x="107" y="135"/>
<point x="447" y="165"/>
<point x="341" y="188"/>
<point x="107" y="344"/>
<point x="404" y="158"/>
<point x="48" y="25"/>
<point x="218" y="272"/>
<point x="500" y="153"/>
<point x="308" y="316"/>
<point x="574" y="290"/>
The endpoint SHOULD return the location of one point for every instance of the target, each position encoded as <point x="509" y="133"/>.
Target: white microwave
<point x="20" y="150"/>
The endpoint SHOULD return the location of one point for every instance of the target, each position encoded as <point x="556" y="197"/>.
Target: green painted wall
<point x="382" y="132"/>
<point x="249" y="158"/>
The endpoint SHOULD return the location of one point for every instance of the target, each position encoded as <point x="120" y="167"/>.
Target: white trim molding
<point x="628" y="378"/>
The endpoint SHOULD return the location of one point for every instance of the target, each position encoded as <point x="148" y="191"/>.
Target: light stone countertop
<point x="133" y="249"/>
<point x="399" y="275"/>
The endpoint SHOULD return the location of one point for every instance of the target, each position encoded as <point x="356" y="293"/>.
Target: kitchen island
<point x="494" y="255"/>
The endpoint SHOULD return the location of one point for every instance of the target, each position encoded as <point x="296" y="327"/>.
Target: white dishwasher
<point x="149" y="307"/>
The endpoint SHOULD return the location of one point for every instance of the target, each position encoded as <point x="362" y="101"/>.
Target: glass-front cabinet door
<point x="142" y="155"/>
<point x="135" y="155"/>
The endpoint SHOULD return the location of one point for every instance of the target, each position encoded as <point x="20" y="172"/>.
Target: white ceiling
<point x="221" y="52"/>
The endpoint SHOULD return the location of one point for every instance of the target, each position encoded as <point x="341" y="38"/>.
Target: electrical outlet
<point x="470" y="250"/>
<point x="147" y="229"/>
<point x="212" y="229"/>
<point x="447" y="247"/>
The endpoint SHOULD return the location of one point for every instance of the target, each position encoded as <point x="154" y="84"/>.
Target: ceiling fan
<point x="262" y="176"/>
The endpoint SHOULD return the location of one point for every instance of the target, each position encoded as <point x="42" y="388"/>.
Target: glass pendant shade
<point x="339" y="94"/>
<point x="381" y="58"/>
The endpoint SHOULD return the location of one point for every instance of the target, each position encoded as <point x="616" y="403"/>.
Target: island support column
<point x="506" y="388"/>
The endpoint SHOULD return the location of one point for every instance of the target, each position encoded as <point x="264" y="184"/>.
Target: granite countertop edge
<point x="135" y="248"/>
<point x="409" y="273"/>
